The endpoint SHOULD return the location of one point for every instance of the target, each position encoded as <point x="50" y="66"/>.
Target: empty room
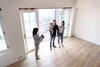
<point x="49" y="33"/>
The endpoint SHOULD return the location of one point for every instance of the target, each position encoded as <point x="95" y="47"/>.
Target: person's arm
<point x="63" y="29"/>
<point x="38" y="38"/>
<point x="57" y="30"/>
<point x="49" y="28"/>
<point x="42" y="36"/>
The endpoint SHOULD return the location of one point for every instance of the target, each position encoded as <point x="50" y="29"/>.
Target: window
<point x="45" y="17"/>
<point x="41" y="19"/>
<point x="3" y="45"/>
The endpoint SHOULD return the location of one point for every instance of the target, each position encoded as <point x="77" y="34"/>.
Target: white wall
<point x="13" y="36"/>
<point x="12" y="26"/>
<point x="87" y="24"/>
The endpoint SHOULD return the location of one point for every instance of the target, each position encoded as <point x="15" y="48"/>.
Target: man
<point x="54" y="34"/>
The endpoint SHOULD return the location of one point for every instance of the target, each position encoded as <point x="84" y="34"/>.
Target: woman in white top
<point x="61" y="33"/>
<point x="37" y="40"/>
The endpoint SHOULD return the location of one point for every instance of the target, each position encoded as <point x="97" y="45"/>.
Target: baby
<point x="51" y="28"/>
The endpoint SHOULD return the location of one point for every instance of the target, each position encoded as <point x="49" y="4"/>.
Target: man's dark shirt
<point x="55" y="30"/>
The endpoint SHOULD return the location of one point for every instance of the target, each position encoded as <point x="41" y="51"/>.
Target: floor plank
<point x="75" y="53"/>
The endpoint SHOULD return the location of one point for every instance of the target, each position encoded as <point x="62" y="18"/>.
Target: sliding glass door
<point x="66" y="17"/>
<point x="29" y="22"/>
<point x="45" y="16"/>
<point x="41" y="19"/>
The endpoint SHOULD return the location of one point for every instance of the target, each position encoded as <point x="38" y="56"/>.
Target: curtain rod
<point x="45" y="8"/>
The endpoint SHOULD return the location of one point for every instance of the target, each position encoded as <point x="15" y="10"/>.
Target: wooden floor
<point x="75" y="53"/>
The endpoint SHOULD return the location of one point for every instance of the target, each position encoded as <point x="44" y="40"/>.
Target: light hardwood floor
<point x="75" y="53"/>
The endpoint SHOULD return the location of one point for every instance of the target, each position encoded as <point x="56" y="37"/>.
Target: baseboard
<point x="87" y="41"/>
<point x="20" y="59"/>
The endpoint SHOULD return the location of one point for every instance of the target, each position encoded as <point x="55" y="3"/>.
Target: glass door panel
<point x="29" y="23"/>
<point x="66" y="18"/>
<point x="45" y="17"/>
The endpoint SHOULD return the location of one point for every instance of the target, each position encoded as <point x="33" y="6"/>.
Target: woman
<point x="37" y="40"/>
<point x="61" y="33"/>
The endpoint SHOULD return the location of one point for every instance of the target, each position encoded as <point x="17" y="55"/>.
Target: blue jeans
<point x="52" y="41"/>
<point x="60" y="38"/>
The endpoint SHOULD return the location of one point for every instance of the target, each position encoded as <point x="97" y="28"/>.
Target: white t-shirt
<point x="61" y="29"/>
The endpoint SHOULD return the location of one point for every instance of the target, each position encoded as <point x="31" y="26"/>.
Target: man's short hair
<point x="54" y="20"/>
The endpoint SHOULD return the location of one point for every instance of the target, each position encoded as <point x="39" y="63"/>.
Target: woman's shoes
<point x="59" y="46"/>
<point x="62" y="45"/>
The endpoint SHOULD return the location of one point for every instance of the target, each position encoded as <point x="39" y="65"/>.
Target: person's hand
<point x="42" y="36"/>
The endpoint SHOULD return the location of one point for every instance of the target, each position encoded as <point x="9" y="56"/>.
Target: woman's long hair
<point x="63" y="23"/>
<point x="35" y="30"/>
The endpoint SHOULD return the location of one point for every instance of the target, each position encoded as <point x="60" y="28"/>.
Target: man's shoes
<point x="37" y="58"/>
<point x="54" y="46"/>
